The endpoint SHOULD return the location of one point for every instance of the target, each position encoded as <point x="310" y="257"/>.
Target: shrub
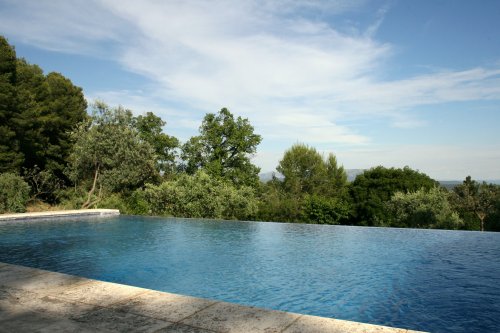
<point x="423" y="209"/>
<point x="201" y="196"/>
<point x="14" y="193"/>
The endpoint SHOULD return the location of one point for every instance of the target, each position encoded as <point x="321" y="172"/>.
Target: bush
<point x="201" y="196"/>
<point x="14" y="193"/>
<point x="423" y="209"/>
<point x="323" y="210"/>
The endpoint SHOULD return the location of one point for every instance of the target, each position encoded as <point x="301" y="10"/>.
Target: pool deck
<point x="35" y="300"/>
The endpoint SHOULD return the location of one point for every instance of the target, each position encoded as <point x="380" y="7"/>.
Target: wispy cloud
<point x="281" y="63"/>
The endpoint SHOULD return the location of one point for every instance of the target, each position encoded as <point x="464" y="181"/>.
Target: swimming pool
<point x="420" y="279"/>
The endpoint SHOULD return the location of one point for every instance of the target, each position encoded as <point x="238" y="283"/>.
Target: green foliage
<point x="223" y="149"/>
<point x="423" y="209"/>
<point x="14" y="193"/>
<point x="37" y="112"/>
<point x="45" y="186"/>
<point x="150" y="130"/>
<point x="313" y="189"/>
<point x="323" y="210"/>
<point x="372" y="189"/>
<point x="201" y="196"/>
<point x="471" y="198"/>
<point x="10" y="156"/>
<point x="49" y="107"/>
<point x="306" y="172"/>
<point x="109" y="154"/>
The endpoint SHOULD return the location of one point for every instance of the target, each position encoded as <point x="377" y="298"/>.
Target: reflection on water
<point x="421" y="279"/>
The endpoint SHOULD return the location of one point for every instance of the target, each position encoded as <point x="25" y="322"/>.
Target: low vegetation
<point x="55" y="150"/>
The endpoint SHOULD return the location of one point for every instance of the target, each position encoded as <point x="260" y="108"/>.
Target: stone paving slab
<point x="100" y="293"/>
<point x="58" y="214"/>
<point x="33" y="300"/>
<point x="228" y="317"/>
<point x="43" y="283"/>
<point x="164" y="306"/>
<point x="13" y="273"/>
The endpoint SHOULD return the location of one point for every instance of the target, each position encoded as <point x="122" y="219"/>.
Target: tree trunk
<point x="481" y="216"/>
<point x="87" y="203"/>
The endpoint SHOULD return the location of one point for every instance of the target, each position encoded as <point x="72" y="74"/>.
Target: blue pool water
<point x="439" y="281"/>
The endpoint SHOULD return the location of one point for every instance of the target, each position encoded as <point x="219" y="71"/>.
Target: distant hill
<point x="267" y="176"/>
<point x="352" y="173"/>
<point x="450" y="184"/>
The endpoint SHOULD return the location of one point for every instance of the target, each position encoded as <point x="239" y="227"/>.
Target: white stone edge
<point x="59" y="214"/>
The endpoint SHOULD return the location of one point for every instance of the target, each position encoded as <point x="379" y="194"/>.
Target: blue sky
<point x="379" y="82"/>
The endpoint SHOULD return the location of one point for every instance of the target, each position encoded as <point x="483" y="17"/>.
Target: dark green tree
<point x="223" y="149"/>
<point x="37" y="112"/>
<point x="10" y="156"/>
<point x="150" y="130"/>
<point x="50" y="108"/>
<point x="372" y="189"/>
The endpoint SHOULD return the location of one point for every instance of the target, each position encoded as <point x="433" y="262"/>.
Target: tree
<point x="10" y="156"/>
<point x="423" y="209"/>
<point x="305" y="171"/>
<point x="223" y="149"/>
<point x="477" y="198"/>
<point x="109" y="154"/>
<point x="373" y="188"/>
<point x="43" y="111"/>
<point x="312" y="190"/>
<point x="150" y="130"/>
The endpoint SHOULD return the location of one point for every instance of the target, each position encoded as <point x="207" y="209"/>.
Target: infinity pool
<point x="438" y="281"/>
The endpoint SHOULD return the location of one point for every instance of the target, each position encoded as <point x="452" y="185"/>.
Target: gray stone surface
<point x="180" y="328"/>
<point x="100" y="293"/>
<point x="118" y="321"/>
<point x="33" y="300"/>
<point x="164" y="306"/>
<point x="227" y="317"/>
<point x="9" y="273"/>
<point x="44" y="283"/>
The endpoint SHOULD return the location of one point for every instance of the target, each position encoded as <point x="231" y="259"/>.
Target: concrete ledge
<point x="42" y="301"/>
<point x="59" y="214"/>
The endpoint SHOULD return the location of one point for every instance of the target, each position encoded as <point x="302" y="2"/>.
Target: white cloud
<point x="282" y="63"/>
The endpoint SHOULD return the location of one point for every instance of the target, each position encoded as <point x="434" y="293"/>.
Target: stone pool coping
<point x="35" y="300"/>
<point x="59" y="214"/>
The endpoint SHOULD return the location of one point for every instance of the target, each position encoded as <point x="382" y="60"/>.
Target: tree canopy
<point x="150" y="128"/>
<point x="306" y="171"/>
<point x="480" y="199"/>
<point x="10" y="156"/>
<point x="373" y="188"/>
<point x="37" y="112"/>
<point x="109" y="153"/>
<point x="223" y="149"/>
